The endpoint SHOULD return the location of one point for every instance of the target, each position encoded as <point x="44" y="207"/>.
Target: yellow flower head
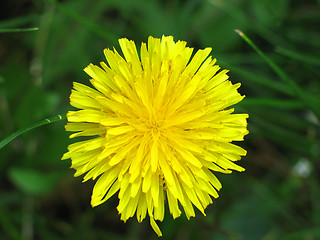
<point x="160" y="128"/>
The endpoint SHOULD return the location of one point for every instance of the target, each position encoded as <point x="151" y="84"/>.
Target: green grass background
<point x="273" y="199"/>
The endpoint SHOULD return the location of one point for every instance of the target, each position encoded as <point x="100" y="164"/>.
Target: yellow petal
<point x="155" y="227"/>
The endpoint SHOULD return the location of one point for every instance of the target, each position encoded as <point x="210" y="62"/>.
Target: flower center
<point x="154" y="126"/>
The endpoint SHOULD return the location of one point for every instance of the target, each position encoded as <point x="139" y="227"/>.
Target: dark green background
<point x="40" y="199"/>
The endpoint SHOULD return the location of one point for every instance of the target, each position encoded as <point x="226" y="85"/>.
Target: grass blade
<point x="8" y="139"/>
<point x="8" y="227"/>
<point x="84" y="21"/>
<point x="298" y="56"/>
<point x="261" y="79"/>
<point x="284" y="136"/>
<point x="10" y="30"/>
<point x="272" y="102"/>
<point x="309" y="100"/>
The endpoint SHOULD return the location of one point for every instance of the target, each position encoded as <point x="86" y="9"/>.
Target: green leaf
<point x="30" y="109"/>
<point x="31" y="181"/>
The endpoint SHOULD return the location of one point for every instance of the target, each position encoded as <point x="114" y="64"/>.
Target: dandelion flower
<point x="159" y="126"/>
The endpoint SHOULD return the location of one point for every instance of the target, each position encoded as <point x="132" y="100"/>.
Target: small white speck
<point x="302" y="168"/>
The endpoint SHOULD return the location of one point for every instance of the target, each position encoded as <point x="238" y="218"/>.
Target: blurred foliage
<point x="278" y="195"/>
